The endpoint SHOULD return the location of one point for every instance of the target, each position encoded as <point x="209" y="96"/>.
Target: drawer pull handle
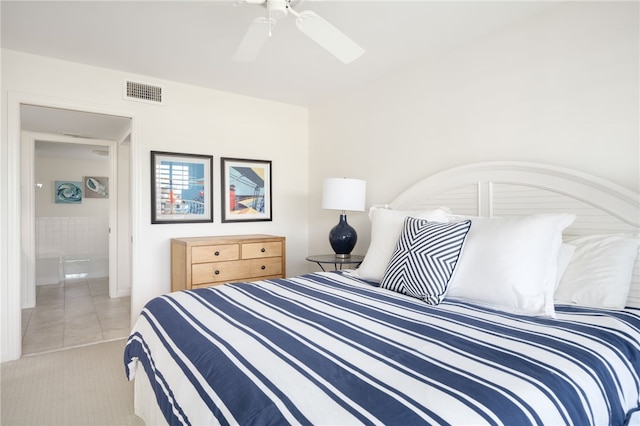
<point x="263" y="249"/>
<point x="263" y="267"/>
<point x="217" y="272"/>
<point x="217" y="253"/>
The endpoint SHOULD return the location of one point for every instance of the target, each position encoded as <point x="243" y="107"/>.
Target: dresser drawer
<point x="235" y="270"/>
<point x="215" y="253"/>
<point x="263" y="249"/>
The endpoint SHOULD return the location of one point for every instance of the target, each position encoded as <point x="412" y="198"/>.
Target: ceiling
<point x="71" y="151"/>
<point x="194" y="41"/>
<point x="87" y="132"/>
<point x="76" y="124"/>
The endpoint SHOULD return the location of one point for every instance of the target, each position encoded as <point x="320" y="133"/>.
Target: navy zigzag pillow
<point x="424" y="258"/>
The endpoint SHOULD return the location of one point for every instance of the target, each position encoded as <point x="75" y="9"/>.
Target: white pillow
<point x="511" y="263"/>
<point x="386" y="226"/>
<point x="599" y="274"/>
<point x="564" y="258"/>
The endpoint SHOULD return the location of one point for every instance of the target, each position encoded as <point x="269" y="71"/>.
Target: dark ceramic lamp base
<point x="343" y="238"/>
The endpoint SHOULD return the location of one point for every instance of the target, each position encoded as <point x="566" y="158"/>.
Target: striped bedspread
<point x="327" y="349"/>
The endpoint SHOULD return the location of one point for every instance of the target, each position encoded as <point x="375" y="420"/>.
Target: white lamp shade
<point x="344" y="194"/>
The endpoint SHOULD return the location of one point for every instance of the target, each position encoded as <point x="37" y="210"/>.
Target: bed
<point x="474" y="335"/>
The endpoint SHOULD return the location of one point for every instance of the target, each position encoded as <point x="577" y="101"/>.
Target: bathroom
<point x="71" y="233"/>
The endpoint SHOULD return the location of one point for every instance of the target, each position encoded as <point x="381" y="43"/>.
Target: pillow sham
<point x="386" y="226"/>
<point x="600" y="272"/>
<point x="425" y="258"/>
<point x="511" y="263"/>
<point x="564" y="258"/>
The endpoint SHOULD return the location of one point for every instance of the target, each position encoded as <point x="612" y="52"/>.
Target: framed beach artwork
<point x="246" y="190"/>
<point x="96" y="187"/>
<point x="67" y="192"/>
<point x="181" y="188"/>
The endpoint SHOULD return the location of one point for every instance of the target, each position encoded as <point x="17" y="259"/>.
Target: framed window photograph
<point x="246" y="190"/>
<point x="181" y="188"/>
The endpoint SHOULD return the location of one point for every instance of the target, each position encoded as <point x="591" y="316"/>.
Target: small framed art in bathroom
<point x="67" y="192"/>
<point x="96" y="187"/>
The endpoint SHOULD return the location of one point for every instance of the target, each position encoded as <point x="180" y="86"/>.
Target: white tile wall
<point x="71" y="236"/>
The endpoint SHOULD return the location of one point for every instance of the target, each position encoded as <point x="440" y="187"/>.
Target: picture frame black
<point x="181" y="188"/>
<point x="246" y="190"/>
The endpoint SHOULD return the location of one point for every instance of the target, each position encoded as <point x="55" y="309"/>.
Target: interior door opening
<point x="87" y="245"/>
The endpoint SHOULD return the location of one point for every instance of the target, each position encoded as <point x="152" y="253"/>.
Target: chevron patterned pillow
<point x="424" y="259"/>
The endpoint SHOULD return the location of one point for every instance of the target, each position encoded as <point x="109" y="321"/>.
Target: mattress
<point x="328" y="348"/>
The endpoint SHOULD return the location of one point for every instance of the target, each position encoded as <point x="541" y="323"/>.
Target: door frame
<point x="10" y="309"/>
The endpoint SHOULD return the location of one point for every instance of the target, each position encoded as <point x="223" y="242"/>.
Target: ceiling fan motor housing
<point x="277" y="8"/>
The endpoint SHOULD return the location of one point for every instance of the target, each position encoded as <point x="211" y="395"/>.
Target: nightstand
<point x="338" y="262"/>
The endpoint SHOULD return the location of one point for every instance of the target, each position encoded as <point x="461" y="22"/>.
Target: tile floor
<point x="77" y="312"/>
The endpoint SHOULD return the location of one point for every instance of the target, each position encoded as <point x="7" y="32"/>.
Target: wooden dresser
<point x="198" y="262"/>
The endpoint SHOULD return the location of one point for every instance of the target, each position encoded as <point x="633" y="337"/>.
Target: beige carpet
<point x="79" y="386"/>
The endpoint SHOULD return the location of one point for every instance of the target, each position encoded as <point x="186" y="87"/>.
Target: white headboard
<point x="510" y="189"/>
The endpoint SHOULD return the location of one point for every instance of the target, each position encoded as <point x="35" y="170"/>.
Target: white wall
<point x="192" y="120"/>
<point x="560" y="88"/>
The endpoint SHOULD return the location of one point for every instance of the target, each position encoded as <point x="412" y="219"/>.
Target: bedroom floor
<point x="75" y="313"/>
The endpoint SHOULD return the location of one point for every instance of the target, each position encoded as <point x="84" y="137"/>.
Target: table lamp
<point x="343" y="194"/>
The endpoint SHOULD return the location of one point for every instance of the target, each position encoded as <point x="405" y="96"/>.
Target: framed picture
<point x="96" y="187"/>
<point x="67" y="192"/>
<point x="246" y="190"/>
<point x="181" y="188"/>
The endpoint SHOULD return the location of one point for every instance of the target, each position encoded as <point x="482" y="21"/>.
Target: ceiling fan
<point x="307" y="21"/>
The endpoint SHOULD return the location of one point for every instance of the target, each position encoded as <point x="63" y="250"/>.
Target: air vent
<point x="143" y="92"/>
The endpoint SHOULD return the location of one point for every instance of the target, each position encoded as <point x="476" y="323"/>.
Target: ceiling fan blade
<point x="253" y="40"/>
<point x="326" y="35"/>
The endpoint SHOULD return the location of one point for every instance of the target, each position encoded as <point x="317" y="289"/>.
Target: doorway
<point x="80" y="241"/>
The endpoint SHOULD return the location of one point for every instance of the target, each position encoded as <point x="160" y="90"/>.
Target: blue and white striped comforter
<point x="325" y="348"/>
